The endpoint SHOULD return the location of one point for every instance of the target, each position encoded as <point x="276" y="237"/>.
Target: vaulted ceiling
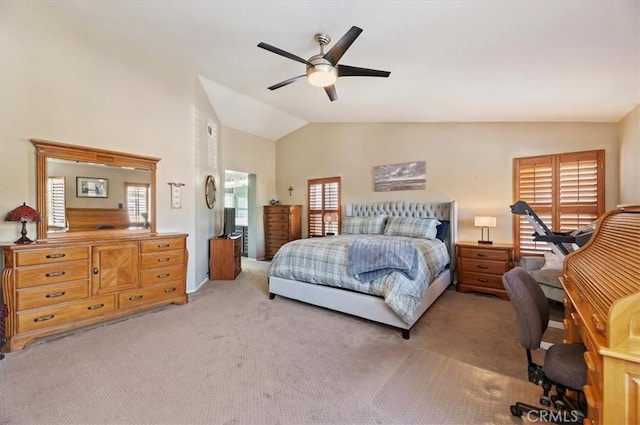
<point x="450" y="61"/>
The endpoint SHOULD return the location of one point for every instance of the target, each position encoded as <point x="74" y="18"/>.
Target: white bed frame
<point x="369" y="306"/>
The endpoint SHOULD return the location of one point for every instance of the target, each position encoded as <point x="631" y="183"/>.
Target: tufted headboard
<point x="440" y="210"/>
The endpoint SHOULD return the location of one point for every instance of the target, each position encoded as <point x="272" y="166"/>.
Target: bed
<point x="288" y="280"/>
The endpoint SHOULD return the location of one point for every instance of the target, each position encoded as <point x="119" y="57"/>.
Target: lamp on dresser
<point x="23" y="214"/>
<point x="484" y="222"/>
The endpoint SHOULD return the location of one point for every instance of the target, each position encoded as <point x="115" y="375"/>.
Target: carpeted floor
<point x="232" y="356"/>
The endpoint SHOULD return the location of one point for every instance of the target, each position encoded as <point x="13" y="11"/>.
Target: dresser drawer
<point x="159" y="245"/>
<point x="48" y="256"/>
<point x="484" y="280"/>
<point x="277" y="234"/>
<point x="277" y="218"/>
<point x="51" y="294"/>
<point x="161" y="259"/>
<point x="278" y="210"/>
<point x="486" y="254"/>
<point x="165" y="274"/>
<point x="134" y="297"/>
<point x="41" y="318"/>
<point x="483" y="266"/>
<point x="43" y="275"/>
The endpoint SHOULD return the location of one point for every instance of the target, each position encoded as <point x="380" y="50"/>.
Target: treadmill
<point x="562" y="243"/>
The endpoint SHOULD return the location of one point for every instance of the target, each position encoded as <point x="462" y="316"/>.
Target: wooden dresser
<point x="602" y="310"/>
<point x="54" y="286"/>
<point x="282" y="223"/>
<point x="225" y="261"/>
<point x="481" y="266"/>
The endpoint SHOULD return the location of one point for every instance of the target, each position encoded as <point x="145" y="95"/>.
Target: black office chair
<point x="564" y="365"/>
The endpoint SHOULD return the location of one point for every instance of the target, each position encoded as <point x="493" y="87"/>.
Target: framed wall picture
<point x="405" y="176"/>
<point x="92" y="187"/>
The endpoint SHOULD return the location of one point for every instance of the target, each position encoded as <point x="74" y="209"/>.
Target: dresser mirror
<point x="87" y="192"/>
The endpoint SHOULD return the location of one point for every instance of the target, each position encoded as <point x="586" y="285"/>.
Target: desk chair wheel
<point x="544" y="400"/>
<point x="515" y="411"/>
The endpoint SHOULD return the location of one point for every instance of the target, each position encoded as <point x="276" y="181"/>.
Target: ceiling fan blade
<point x="331" y="92"/>
<point x="282" y="53"/>
<point x="335" y="53"/>
<point x="286" y="82"/>
<point x="354" y="71"/>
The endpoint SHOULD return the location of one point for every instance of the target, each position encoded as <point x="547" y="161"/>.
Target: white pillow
<point x="551" y="261"/>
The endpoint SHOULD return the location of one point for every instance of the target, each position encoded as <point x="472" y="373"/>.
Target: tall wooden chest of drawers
<point x="282" y="223"/>
<point x="50" y="287"/>
<point x="481" y="266"/>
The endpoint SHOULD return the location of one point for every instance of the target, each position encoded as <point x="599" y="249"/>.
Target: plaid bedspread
<point x="324" y="261"/>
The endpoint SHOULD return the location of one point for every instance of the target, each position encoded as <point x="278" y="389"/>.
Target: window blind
<point x="565" y="190"/>
<point x="324" y="206"/>
<point x="56" y="217"/>
<point x="137" y="203"/>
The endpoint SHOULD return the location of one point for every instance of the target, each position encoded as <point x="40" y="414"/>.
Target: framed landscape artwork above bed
<point x="404" y="176"/>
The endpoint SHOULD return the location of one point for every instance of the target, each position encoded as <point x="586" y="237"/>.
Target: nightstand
<point x="481" y="266"/>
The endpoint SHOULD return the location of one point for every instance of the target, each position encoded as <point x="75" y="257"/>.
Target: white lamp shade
<point x="484" y="221"/>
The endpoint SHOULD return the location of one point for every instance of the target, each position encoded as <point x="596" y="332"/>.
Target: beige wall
<point x="63" y="82"/>
<point x="630" y="158"/>
<point x="251" y="154"/>
<point x="471" y="163"/>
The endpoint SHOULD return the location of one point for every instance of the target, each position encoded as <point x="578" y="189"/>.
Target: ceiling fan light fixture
<point x="322" y="75"/>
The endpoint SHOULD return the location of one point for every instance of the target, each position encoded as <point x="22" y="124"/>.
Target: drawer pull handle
<point x="589" y="361"/>
<point x="96" y="270"/>
<point x="164" y="259"/>
<point x="95" y="306"/>
<point x="482" y="254"/>
<point x="163" y="275"/>
<point x="483" y="266"/>
<point x="43" y="318"/>
<point x="600" y="324"/>
<point x="135" y="297"/>
<point x="169" y="290"/>
<point x="482" y="280"/>
<point x="164" y="245"/>
<point x="55" y="274"/>
<point x="55" y="294"/>
<point x="56" y="255"/>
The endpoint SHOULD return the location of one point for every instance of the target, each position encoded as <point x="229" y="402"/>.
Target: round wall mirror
<point x="210" y="191"/>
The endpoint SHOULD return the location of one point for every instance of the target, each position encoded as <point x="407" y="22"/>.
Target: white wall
<point x="630" y="158"/>
<point x="241" y="151"/>
<point x="63" y="82"/>
<point x="469" y="162"/>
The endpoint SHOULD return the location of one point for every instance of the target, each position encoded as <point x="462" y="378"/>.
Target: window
<point x="56" y="218"/>
<point x="565" y="190"/>
<point x="324" y="206"/>
<point x="137" y="203"/>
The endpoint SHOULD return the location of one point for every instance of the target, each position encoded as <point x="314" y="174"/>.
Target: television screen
<point x="229" y="221"/>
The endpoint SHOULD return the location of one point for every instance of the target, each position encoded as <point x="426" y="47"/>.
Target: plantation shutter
<point x="56" y="217"/>
<point x="137" y="203"/>
<point x="566" y="191"/>
<point x="324" y="206"/>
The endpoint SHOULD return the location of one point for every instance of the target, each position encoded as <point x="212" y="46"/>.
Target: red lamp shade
<point x="23" y="214"/>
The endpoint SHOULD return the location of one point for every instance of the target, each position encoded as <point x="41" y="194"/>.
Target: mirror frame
<point x="46" y="149"/>
<point x="210" y="190"/>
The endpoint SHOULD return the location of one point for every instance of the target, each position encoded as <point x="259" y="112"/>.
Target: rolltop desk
<point x="602" y="310"/>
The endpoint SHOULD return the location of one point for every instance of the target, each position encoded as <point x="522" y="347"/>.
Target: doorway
<point x="239" y="193"/>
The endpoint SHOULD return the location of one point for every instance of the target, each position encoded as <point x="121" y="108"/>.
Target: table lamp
<point x="23" y="214"/>
<point x="329" y="219"/>
<point x="484" y="222"/>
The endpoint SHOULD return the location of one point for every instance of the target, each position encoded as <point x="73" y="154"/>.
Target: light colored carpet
<point x="232" y="356"/>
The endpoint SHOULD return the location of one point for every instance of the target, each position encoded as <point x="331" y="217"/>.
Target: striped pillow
<point x="424" y="228"/>
<point x="371" y="225"/>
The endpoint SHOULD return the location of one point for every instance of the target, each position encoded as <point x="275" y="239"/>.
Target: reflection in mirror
<point x="88" y="192"/>
<point x="124" y="206"/>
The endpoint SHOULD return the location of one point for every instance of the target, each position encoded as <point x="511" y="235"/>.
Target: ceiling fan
<point x="323" y="69"/>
